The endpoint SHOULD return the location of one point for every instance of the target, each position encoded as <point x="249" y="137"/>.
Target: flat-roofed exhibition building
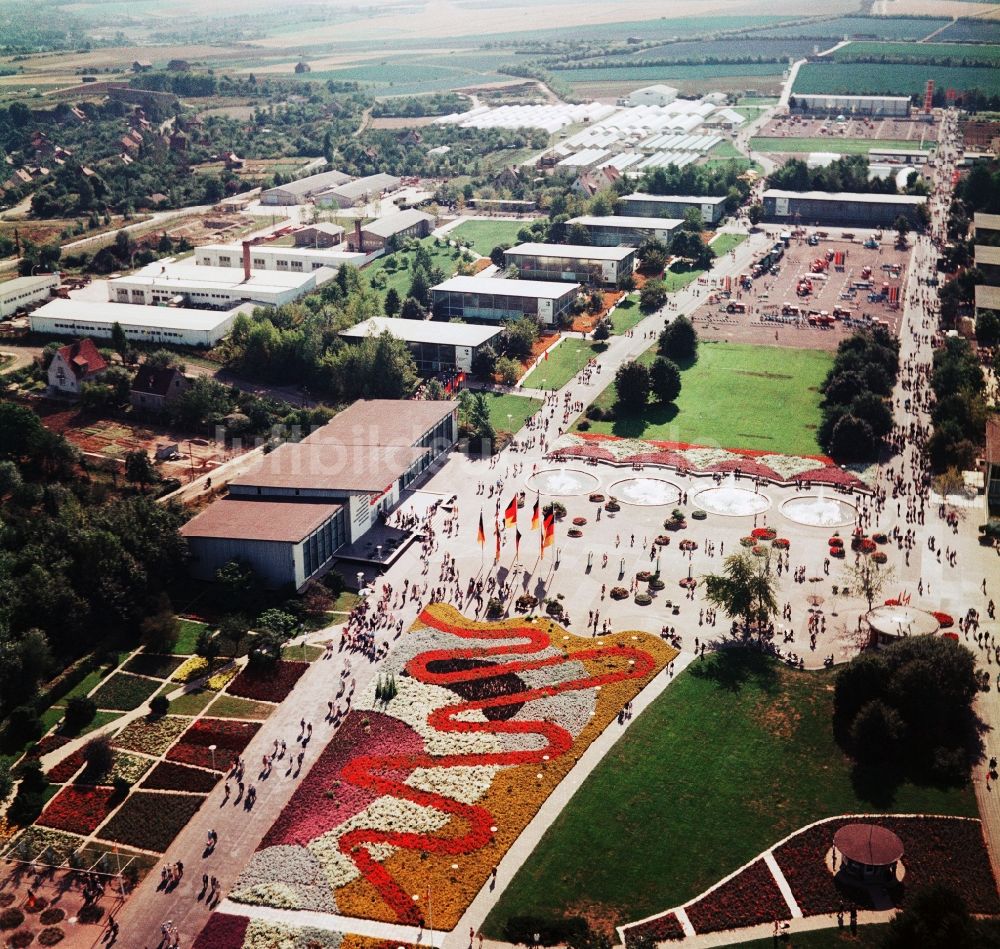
<point x="619" y="229"/>
<point x="436" y="346"/>
<point x="306" y="499"/>
<point x="577" y="263"/>
<point x="273" y="257"/>
<point x="849" y="208"/>
<point x="494" y="299"/>
<point x="23" y="291"/>
<point x="220" y="287"/>
<point x="143" y="324"/>
<point x="711" y="208"/>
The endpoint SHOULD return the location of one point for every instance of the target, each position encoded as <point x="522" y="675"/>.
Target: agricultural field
<point x="968" y="30"/>
<point x="888" y="28"/>
<point x="829" y="143"/>
<point x="729" y="48"/>
<point x="928" y="52"/>
<point x="639" y="75"/>
<point x="893" y="79"/>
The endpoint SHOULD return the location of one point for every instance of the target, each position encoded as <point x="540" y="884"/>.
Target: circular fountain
<point x="731" y="501"/>
<point x="562" y="481"/>
<point x="819" y="511"/>
<point x="893" y="622"/>
<point x="647" y="492"/>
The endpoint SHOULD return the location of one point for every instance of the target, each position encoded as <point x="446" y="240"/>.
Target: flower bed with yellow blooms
<point x="430" y="789"/>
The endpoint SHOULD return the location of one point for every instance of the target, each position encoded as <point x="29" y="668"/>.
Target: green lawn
<point x="231" y="706"/>
<point x="564" y="362"/>
<point x="345" y="602"/>
<point x="724" y="243"/>
<point x="486" y="234"/>
<point x="737" y="753"/>
<point x="726" y="149"/>
<point x="398" y="267"/>
<point x="868" y="937"/>
<point x="627" y="314"/>
<point x="833" y="143"/>
<point x="519" y="407"/>
<point x="310" y="654"/>
<point x="192" y="703"/>
<point x="88" y="682"/>
<point x="678" y="279"/>
<point x="730" y="397"/>
<point x="187" y="638"/>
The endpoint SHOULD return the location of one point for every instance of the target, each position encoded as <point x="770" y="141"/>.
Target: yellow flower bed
<point x="191" y="669"/>
<point x="220" y="680"/>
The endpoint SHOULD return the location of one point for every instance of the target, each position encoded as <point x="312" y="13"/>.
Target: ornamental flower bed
<point x="154" y="665"/>
<point x="944" y="850"/>
<point x="151" y="736"/>
<point x="819" y="469"/>
<point x="618" y="593"/>
<point x="945" y="620"/>
<point x="150" y="820"/>
<point x="230" y="738"/>
<point x="222" y="931"/>
<point x="270" y="686"/>
<point x="836" y="541"/>
<point x="758" y="550"/>
<point x="574" y="532"/>
<point x="411" y="785"/>
<point x="661" y="929"/>
<point x="749" y="898"/>
<point x="169" y="776"/>
<point x="747" y="542"/>
<point x="837" y="552"/>
<point x="65" y="769"/>
<point x="879" y="557"/>
<point x="781" y="543"/>
<point x="579" y="521"/>
<point x="764" y="533"/>
<point x="78" y="810"/>
<point x="124" y="692"/>
<point x="36" y="840"/>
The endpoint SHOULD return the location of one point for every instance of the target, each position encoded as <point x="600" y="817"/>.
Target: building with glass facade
<point x="711" y="208"/>
<point x="493" y="300"/>
<point x="847" y="208"/>
<point x="576" y="263"/>
<point x="619" y="230"/>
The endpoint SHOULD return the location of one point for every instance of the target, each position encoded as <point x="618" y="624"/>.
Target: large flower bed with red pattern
<point x="749" y="898"/>
<point x="661" y="929"/>
<point x="168" y="776"/>
<point x="222" y="931"/>
<point x="270" y="685"/>
<point x="229" y="737"/>
<point x="78" y="810"/>
<point x="944" y="850"/>
<point x="704" y="459"/>
<point x="486" y="721"/>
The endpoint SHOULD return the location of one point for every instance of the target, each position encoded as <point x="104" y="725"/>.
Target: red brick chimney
<point x="357" y="235"/>
<point x="246" y="261"/>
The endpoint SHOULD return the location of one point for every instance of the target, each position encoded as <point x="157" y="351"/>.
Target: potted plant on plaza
<point x="612" y="506"/>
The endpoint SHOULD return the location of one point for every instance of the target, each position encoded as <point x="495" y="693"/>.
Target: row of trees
<point x="849" y="173"/>
<point x="856" y="410"/>
<point x="960" y="410"/>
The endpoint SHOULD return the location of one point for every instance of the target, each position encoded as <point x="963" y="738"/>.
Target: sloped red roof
<point x="83" y="358"/>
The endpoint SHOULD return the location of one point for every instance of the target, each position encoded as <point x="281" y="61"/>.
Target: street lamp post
<point x="212" y="748"/>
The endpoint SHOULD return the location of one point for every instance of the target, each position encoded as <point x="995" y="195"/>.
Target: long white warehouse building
<point x="144" y="324"/>
<point x="271" y="257"/>
<point x="219" y="287"/>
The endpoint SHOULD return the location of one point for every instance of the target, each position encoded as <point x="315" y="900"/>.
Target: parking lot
<point x="875" y="128"/>
<point x="834" y="301"/>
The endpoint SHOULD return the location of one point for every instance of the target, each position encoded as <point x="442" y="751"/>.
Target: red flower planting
<point x="763" y="533"/>
<point x="749" y="898"/>
<point x="936" y="850"/>
<point x="656" y="930"/>
<point x="222" y="931"/>
<point x="78" y="810"/>
<point x="229" y="737"/>
<point x="62" y="772"/>
<point x="944" y="619"/>
<point x="270" y="686"/>
<point x="151" y="820"/>
<point x="167" y="776"/>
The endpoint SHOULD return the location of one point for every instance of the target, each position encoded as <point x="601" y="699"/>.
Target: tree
<point x="932" y="731"/>
<point x="868" y="578"/>
<point x="665" y="380"/>
<point x="80" y="712"/>
<point x="632" y="385"/>
<point x="485" y="361"/>
<point x="936" y="917"/>
<point x="98" y="755"/>
<point x="652" y="296"/>
<point x="392" y="302"/>
<point x="158" y="632"/>
<point x="278" y="622"/>
<point x="412" y="310"/>
<point x="480" y="423"/>
<point x="420" y="288"/>
<point x="519" y="338"/>
<point x="852" y="439"/>
<point x="509" y="370"/>
<point x="118" y="339"/>
<point x="755" y="213"/>
<point x="235" y="580"/>
<point x="654" y="259"/>
<point x="679" y="340"/>
<point x="233" y="629"/>
<point x="745" y="590"/>
<point x="902" y="227"/>
<point x="602" y="331"/>
<point x="139" y="469"/>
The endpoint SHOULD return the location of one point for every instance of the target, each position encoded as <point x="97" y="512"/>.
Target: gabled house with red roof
<point x="73" y="365"/>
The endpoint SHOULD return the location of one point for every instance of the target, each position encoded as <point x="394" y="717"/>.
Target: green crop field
<point x="486" y="234"/>
<point x="759" y="379"/>
<point x="831" y="143"/>
<point x="657" y="73"/>
<point x="882" y="27"/>
<point x="956" y="52"/>
<point x="735" y="754"/>
<point x="900" y="79"/>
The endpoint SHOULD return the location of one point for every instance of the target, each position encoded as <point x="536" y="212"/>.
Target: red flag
<point x="496" y="534"/>
<point x="546" y="355"/>
<point x="481" y="533"/>
<point x="534" y="514"/>
<point x="510" y="515"/>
